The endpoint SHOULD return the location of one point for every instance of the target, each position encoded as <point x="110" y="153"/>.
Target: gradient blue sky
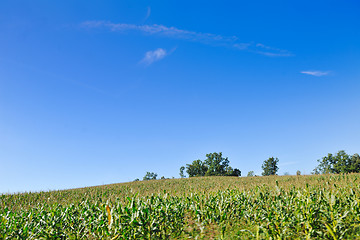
<point x="97" y="92"/>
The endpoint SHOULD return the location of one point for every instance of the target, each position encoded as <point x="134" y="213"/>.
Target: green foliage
<point x="250" y="174"/>
<point x="270" y="166"/>
<point x="217" y="165"/>
<point x="214" y="165"/>
<point x="182" y="175"/>
<point x="150" y="176"/>
<point x="298" y="173"/>
<point x="232" y="172"/>
<point x="196" y="169"/>
<point x="341" y="162"/>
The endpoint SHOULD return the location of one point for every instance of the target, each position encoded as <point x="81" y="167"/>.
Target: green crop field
<point x="275" y="207"/>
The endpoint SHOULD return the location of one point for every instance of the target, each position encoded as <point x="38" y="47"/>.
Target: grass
<point x="274" y="207"/>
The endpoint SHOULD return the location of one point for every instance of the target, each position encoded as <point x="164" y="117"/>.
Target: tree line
<point x="340" y="162"/>
<point x="216" y="165"/>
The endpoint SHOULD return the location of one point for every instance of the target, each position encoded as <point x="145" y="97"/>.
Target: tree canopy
<point x="270" y="166"/>
<point x="250" y="174"/>
<point x="150" y="176"/>
<point x="182" y="175"/>
<point x="214" y="165"/>
<point x="341" y="162"/>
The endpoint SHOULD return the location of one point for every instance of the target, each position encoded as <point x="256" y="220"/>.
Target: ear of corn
<point x="108" y="213"/>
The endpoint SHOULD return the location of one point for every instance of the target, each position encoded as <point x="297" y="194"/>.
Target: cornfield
<point x="276" y="207"/>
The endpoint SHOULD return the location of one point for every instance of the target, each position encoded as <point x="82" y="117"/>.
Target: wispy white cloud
<point x="156" y="29"/>
<point x="316" y="73"/>
<point x="275" y="54"/>
<point x="271" y="51"/>
<point x="242" y="46"/>
<point x="153" y="56"/>
<point x="148" y="13"/>
<point x="206" y="38"/>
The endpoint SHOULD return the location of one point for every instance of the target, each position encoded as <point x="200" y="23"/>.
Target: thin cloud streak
<point x="148" y="13"/>
<point x="315" y="73"/>
<point x="272" y="54"/>
<point x="159" y="30"/>
<point x="205" y="38"/>
<point x="271" y="51"/>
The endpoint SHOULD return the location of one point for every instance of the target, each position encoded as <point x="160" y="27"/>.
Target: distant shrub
<point x="250" y="174"/>
<point x="150" y="176"/>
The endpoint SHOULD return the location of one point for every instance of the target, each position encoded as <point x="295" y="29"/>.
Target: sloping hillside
<point x="322" y="206"/>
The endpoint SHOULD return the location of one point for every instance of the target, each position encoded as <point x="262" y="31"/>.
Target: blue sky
<point x="97" y="92"/>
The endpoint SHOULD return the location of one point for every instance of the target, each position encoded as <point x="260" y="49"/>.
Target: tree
<point x="232" y="172"/>
<point x="270" y="166"/>
<point x="250" y="174"/>
<point x="150" y="176"/>
<point x="196" y="169"/>
<point x="354" y="163"/>
<point x="298" y="173"/>
<point x="182" y="175"/>
<point x="338" y="163"/>
<point x="214" y="165"/>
